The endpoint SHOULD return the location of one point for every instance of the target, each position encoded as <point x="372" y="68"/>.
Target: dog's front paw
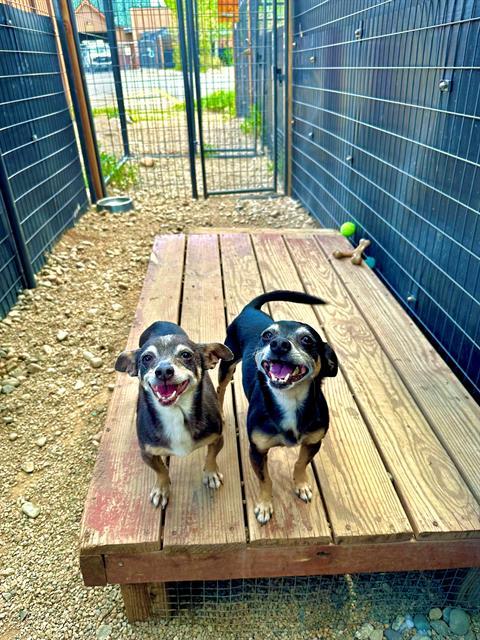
<point x="304" y="491"/>
<point x="212" y="479"/>
<point x="263" y="512"/>
<point x="159" y="496"/>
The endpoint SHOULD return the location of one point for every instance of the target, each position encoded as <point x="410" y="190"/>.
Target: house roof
<point x="121" y="8"/>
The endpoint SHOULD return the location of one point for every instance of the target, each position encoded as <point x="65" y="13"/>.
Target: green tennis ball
<point x="348" y="229"/>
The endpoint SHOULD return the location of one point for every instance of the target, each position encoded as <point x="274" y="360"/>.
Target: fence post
<point x="117" y="77"/>
<point x="288" y="96"/>
<point x="78" y="90"/>
<point x="17" y="231"/>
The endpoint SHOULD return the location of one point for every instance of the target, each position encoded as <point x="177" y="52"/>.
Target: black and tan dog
<point x="177" y="410"/>
<point x="283" y="366"/>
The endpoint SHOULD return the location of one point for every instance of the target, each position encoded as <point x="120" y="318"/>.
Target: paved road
<point x="145" y="83"/>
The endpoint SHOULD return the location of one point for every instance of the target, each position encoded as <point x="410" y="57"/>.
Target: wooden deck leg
<point x="137" y="601"/>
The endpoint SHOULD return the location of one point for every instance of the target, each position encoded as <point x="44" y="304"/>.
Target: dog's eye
<point x="147" y="358"/>
<point x="306" y="340"/>
<point x="186" y="355"/>
<point x="267" y="335"/>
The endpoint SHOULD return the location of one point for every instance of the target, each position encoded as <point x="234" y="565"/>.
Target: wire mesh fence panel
<point x="386" y="133"/>
<point x="10" y="271"/>
<point x="40" y="159"/>
<point x="319" y="605"/>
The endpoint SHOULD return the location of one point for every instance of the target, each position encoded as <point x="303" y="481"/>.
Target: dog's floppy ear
<point x="213" y="352"/>
<point x="329" y="362"/>
<point x="127" y="363"/>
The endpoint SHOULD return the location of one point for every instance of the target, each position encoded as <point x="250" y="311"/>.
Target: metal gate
<point x="187" y="90"/>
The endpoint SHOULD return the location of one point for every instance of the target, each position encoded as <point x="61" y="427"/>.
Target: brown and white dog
<point x="177" y="410"/>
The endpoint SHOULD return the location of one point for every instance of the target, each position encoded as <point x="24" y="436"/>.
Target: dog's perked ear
<point x="213" y="352"/>
<point x="127" y="363"/>
<point x="329" y="362"/>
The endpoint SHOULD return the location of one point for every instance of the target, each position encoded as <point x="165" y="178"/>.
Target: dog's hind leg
<point x="212" y="477"/>
<point x="302" y="487"/>
<point x="264" y="507"/>
<point x="225" y="376"/>
<point x="161" y="491"/>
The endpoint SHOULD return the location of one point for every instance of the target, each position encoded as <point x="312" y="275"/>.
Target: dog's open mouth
<point x="283" y="374"/>
<point x="168" y="393"/>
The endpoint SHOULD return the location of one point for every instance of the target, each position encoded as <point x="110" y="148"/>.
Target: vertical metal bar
<point x="274" y="93"/>
<point x="287" y="95"/>
<point x="67" y="31"/>
<point x="117" y="76"/>
<point x="189" y="106"/>
<point x="16" y="227"/>
<point x="195" y="56"/>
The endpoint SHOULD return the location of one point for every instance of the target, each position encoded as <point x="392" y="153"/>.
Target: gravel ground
<point x="57" y="347"/>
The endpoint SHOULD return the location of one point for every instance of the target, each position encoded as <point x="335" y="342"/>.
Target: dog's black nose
<point x="164" y="371"/>
<point x="280" y="346"/>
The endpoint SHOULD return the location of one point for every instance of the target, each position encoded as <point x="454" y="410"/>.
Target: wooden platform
<point x="397" y="481"/>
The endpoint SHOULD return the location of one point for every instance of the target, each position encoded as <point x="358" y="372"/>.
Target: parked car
<point x="101" y="63"/>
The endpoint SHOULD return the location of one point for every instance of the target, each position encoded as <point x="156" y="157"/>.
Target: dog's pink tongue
<point x="280" y="370"/>
<point x="165" y="390"/>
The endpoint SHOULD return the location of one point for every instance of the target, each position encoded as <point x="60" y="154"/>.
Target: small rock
<point x="33" y="367"/>
<point x="364" y="632"/>
<point x="459" y="622"/>
<point x="23" y="613"/>
<point x="470" y="636"/>
<point x="104" y="631"/>
<point x="147" y="162"/>
<point x="446" y="614"/>
<point x="30" y="510"/>
<point x="435" y="613"/>
<point x="398" y="622"/>
<point x="79" y="385"/>
<point x="61" y="391"/>
<point x="391" y="634"/>
<point x="111" y="386"/>
<point x="95" y="361"/>
<point x="12" y="436"/>
<point x="377" y="634"/>
<point x="116" y="306"/>
<point x="440" y="627"/>
<point x="28" y="466"/>
<point x="41" y="441"/>
<point x="47" y="349"/>
<point x="8" y="388"/>
<point x="421" y="623"/>
<point x="8" y="419"/>
<point x="62" y="335"/>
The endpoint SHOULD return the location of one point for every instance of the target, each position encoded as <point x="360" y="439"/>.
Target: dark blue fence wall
<point x="37" y="144"/>
<point x="386" y="106"/>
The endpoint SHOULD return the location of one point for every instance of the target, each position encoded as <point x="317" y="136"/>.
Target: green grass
<point x="122" y="176"/>
<point x="253" y="122"/>
<point x="221" y="102"/>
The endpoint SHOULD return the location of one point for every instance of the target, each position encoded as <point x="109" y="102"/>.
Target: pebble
<point x="7" y="389"/>
<point x="8" y="419"/>
<point x="391" y="634"/>
<point x="440" y="627"/>
<point x="12" y="436"/>
<point x="41" y="441"/>
<point x="30" y="509"/>
<point x="95" y="361"/>
<point x="104" y="631"/>
<point x="435" y="613"/>
<point x="62" y="335"/>
<point x="377" y="634"/>
<point x="421" y="623"/>
<point x="459" y="622"/>
<point x="28" y="466"/>
<point x="398" y="622"/>
<point x="33" y="367"/>
<point x="364" y="632"/>
<point x="79" y="385"/>
<point x="47" y="349"/>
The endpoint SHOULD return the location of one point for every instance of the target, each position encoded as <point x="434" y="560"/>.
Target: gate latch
<point x="280" y="75"/>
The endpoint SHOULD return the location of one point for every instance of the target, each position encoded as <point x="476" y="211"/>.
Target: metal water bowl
<point x="115" y="204"/>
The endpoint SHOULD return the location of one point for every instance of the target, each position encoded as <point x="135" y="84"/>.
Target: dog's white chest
<point x="175" y="433"/>
<point x="289" y="403"/>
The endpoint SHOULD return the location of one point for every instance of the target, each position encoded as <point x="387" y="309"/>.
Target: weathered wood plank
<point x="265" y="561"/>
<point x="450" y="410"/>
<point x="292" y="519"/>
<point x="137" y="602"/>
<point x="433" y="493"/>
<point x="196" y="516"/>
<point x="118" y="514"/>
<point x="361" y="502"/>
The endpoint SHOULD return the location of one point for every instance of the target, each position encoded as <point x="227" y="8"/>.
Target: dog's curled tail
<point x="284" y="296"/>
